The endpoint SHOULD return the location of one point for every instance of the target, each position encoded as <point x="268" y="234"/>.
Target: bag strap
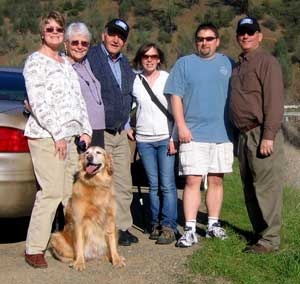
<point x="156" y="100"/>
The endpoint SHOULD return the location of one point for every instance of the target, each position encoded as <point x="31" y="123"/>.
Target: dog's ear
<point x="109" y="165"/>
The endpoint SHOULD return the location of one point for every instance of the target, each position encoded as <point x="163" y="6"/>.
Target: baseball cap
<point x="118" y="26"/>
<point x="247" y="24"/>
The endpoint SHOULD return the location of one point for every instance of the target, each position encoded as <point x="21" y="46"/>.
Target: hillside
<point x="171" y="23"/>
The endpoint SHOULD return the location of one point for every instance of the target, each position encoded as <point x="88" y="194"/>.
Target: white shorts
<point x="197" y="158"/>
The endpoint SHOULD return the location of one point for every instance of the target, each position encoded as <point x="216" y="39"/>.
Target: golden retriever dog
<point x="90" y="229"/>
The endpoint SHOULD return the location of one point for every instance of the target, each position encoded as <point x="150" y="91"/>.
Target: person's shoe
<point x="126" y="238"/>
<point x="167" y="236"/>
<point x="216" y="231"/>
<point x="187" y="239"/>
<point x="132" y="237"/>
<point x="155" y="232"/>
<point x="258" y="249"/>
<point x="36" y="260"/>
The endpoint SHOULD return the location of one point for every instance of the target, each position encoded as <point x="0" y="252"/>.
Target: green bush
<point x="296" y="54"/>
<point x="220" y="17"/>
<point x="270" y="23"/>
<point x="256" y="12"/>
<point x="142" y="7"/>
<point x="144" y="24"/>
<point x="67" y="5"/>
<point x="281" y="52"/>
<point x="23" y="49"/>
<point x="79" y="5"/>
<point x="164" y="37"/>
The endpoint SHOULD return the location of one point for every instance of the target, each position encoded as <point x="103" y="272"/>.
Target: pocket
<point x="250" y="82"/>
<point x="185" y="154"/>
<point x="228" y="148"/>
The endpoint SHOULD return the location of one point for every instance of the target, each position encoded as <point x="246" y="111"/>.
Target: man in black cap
<point x="256" y="109"/>
<point x="116" y="77"/>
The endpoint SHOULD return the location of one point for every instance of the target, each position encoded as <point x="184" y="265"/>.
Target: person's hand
<point x="172" y="147"/>
<point x="131" y="134"/>
<point x="266" y="147"/>
<point x="86" y="138"/>
<point x="184" y="134"/>
<point x="61" y="149"/>
<point x="27" y="106"/>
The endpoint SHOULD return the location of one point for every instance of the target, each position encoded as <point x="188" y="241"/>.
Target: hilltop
<point x="170" y="23"/>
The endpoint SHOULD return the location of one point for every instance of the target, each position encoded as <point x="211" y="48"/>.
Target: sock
<point x="212" y="220"/>
<point x="191" y="224"/>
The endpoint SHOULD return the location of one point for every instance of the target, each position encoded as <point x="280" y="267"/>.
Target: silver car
<point x="17" y="181"/>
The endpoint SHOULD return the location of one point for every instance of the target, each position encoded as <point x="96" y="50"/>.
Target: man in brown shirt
<point x="256" y="109"/>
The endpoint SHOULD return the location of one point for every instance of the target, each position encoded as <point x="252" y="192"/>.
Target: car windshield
<point x="12" y="86"/>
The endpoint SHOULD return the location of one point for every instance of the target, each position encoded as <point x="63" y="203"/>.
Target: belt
<point x="113" y="131"/>
<point x="249" y="127"/>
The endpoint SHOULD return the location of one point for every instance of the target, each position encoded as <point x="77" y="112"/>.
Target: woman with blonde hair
<point x="58" y="114"/>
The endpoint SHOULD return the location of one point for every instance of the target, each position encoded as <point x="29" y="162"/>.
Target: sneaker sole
<point x="213" y="237"/>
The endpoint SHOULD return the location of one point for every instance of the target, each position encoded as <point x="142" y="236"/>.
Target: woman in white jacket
<point x="58" y="114"/>
<point x="156" y="149"/>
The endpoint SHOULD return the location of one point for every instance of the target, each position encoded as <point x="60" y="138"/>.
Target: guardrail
<point x="291" y="116"/>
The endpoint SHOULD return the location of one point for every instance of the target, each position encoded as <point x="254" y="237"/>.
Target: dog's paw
<point x="78" y="265"/>
<point x="119" y="261"/>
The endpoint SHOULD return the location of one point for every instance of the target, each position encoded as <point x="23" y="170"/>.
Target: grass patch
<point x="217" y="259"/>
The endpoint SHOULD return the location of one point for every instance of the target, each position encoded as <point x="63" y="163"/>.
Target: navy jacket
<point x="117" y="102"/>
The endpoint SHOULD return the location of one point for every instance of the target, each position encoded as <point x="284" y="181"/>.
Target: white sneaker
<point x="216" y="231"/>
<point x="187" y="239"/>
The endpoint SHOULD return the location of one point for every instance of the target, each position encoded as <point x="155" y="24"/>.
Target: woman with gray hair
<point x="77" y="42"/>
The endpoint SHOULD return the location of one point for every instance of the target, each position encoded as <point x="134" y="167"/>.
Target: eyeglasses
<point x="77" y="42"/>
<point x="248" y="32"/>
<point x="208" y="38"/>
<point x="51" y="30"/>
<point x="153" y="56"/>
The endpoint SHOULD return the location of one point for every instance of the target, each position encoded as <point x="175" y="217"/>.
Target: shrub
<point x="144" y="24"/>
<point x="164" y="37"/>
<point x="270" y="23"/>
<point x="142" y="7"/>
<point x="281" y="52"/>
<point x="220" y="17"/>
<point x="67" y="5"/>
<point x="256" y="12"/>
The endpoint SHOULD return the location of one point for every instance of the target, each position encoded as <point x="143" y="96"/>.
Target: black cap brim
<point x="116" y="30"/>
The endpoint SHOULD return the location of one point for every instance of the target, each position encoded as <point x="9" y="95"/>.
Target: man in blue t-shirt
<point x="199" y="89"/>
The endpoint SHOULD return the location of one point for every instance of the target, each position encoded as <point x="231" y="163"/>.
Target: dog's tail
<point x="61" y="247"/>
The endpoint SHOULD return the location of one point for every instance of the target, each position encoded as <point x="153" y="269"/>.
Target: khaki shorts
<point x="197" y="158"/>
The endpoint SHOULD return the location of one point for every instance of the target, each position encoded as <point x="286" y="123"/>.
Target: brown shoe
<point x="258" y="249"/>
<point x="167" y="236"/>
<point x="36" y="260"/>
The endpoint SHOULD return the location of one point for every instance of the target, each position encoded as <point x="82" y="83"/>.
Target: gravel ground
<point x="147" y="263"/>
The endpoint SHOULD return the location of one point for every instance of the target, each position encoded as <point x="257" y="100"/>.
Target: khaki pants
<point x="263" y="185"/>
<point x="55" y="178"/>
<point x="118" y="146"/>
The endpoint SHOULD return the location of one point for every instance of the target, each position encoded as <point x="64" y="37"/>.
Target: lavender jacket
<point x="91" y="91"/>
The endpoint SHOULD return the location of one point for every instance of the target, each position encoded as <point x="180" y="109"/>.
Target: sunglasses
<point x="146" y="57"/>
<point x="77" y="42"/>
<point x="208" y="38"/>
<point x="51" y="30"/>
<point x="248" y="32"/>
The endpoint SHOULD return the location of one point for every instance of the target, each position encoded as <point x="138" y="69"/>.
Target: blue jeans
<point x="159" y="167"/>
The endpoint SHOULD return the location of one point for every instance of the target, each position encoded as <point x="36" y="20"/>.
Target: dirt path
<point x="147" y="263"/>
